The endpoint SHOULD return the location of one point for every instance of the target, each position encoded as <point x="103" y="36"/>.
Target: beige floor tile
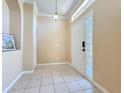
<point x="64" y="73"/>
<point x="74" y="86"/>
<point x="34" y="83"/>
<point x="18" y="91"/>
<point x="46" y="81"/>
<point x="25" y="77"/>
<point x="56" y="73"/>
<point x="47" y="89"/>
<point x="61" y="88"/>
<point x="68" y="78"/>
<point x="85" y="84"/>
<point x="39" y="68"/>
<point x="21" y="85"/>
<point x="36" y="77"/>
<point x="93" y="90"/>
<point x="48" y="70"/>
<point x="80" y="92"/>
<point x="38" y="72"/>
<point x="55" y="70"/>
<point x="32" y="90"/>
<point x="64" y="77"/>
<point x="72" y="71"/>
<point x="58" y="79"/>
<point x="78" y="77"/>
<point x="47" y="74"/>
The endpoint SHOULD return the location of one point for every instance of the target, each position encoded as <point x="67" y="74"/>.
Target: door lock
<point x="83" y="46"/>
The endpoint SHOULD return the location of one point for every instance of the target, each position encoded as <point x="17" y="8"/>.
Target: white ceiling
<point x="47" y="7"/>
<point x="29" y="1"/>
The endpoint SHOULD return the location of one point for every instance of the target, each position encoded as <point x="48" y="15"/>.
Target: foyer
<point x="61" y="46"/>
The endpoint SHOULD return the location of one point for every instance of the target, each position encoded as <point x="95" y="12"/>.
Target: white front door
<point x="77" y="36"/>
<point x="81" y="31"/>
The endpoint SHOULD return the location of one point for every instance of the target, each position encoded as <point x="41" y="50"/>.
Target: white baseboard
<point x="59" y="63"/>
<point x="100" y="87"/>
<point x="93" y="82"/>
<point x="28" y="72"/>
<point x="97" y="85"/>
<point x="13" y="82"/>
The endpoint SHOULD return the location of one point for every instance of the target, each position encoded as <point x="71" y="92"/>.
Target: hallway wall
<point x="15" y="21"/>
<point x="52" y="40"/>
<point x="28" y="38"/>
<point x="5" y="17"/>
<point x="11" y="60"/>
<point x="107" y="44"/>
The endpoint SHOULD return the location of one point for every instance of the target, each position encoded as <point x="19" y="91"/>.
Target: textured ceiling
<point x="47" y="7"/>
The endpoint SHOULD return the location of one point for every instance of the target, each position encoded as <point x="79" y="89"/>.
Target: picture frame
<point x="8" y="43"/>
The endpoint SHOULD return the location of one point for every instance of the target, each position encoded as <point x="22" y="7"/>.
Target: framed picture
<point x="8" y="43"/>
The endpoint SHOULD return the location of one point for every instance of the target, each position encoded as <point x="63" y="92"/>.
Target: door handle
<point x="83" y="46"/>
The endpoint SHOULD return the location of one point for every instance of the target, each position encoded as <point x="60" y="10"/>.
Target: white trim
<point x="86" y="4"/>
<point x="48" y="15"/>
<point x="13" y="82"/>
<point x="75" y="8"/>
<point x="29" y="71"/>
<point x="43" y="64"/>
<point x="36" y="8"/>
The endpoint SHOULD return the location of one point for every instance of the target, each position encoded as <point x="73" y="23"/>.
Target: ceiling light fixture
<point x="56" y="15"/>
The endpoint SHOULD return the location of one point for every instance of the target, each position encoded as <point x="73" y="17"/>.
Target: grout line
<point x="41" y="79"/>
<point x="84" y="78"/>
<point x="28" y="84"/>
<point x="53" y="82"/>
<point x="30" y="81"/>
<point x="65" y="83"/>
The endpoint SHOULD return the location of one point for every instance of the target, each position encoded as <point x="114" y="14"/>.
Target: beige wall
<point x="52" y="40"/>
<point x="5" y="17"/>
<point x="15" y="21"/>
<point x="28" y="37"/>
<point x="106" y="46"/>
<point x="69" y="41"/>
<point x="11" y="60"/>
<point x="22" y="15"/>
<point x="11" y="67"/>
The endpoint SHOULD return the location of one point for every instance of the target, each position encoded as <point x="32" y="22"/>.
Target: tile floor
<point x="54" y="79"/>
